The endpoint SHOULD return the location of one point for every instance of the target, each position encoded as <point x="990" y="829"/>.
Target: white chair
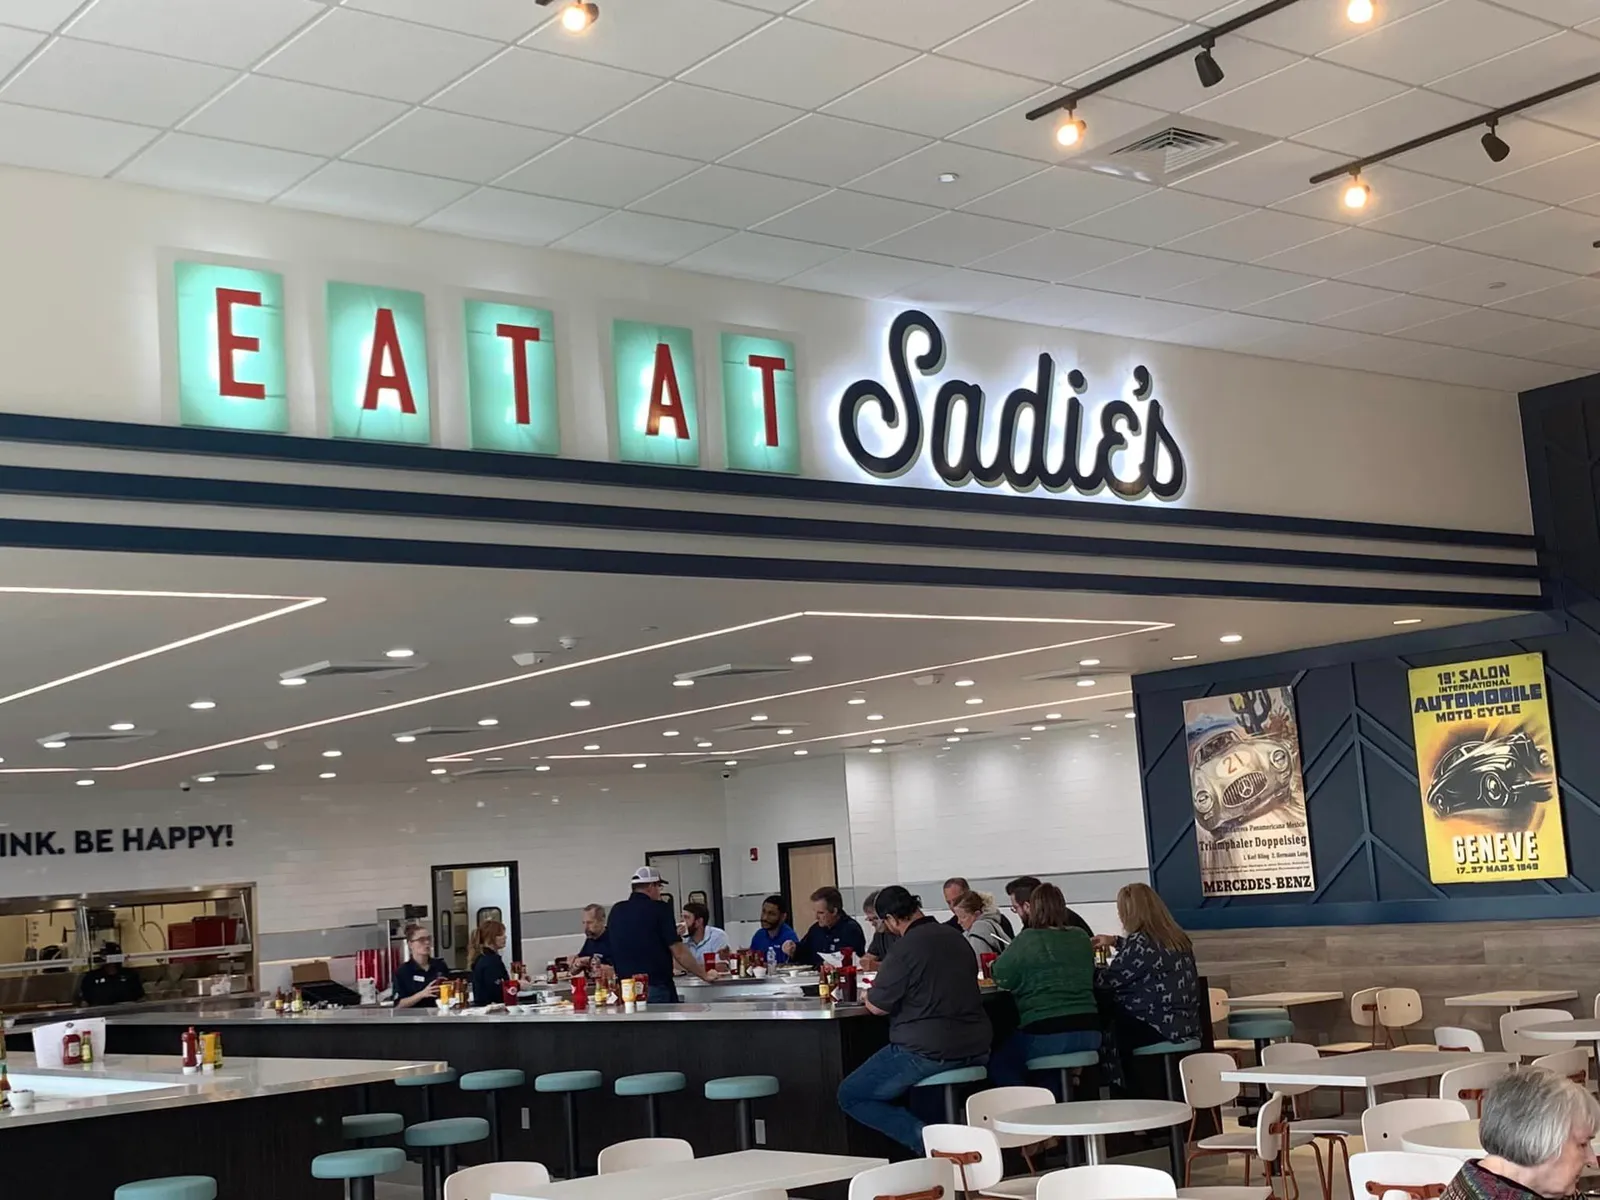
<point x="1467" y="1084"/>
<point x="1335" y="1130"/>
<point x="642" y="1152"/>
<point x="1372" y="1172"/>
<point x="910" y="1178"/>
<point x="1453" y="1037"/>
<point x="1113" y="1181"/>
<point x="1525" y="1047"/>
<point x="1597" y="1006"/>
<point x="976" y="1155"/>
<point x="510" y="1178"/>
<point x="1270" y="1141"/>
<point x="758" y="1194"/>
<point x="1574" y="1064"/>
<point x="1363" y="1015"/>
<point x="1383" y="1124"/>
<point x="1219" y="1016"/>
<point x="984" y="1106"/>
<point x="1398" y="1010"/>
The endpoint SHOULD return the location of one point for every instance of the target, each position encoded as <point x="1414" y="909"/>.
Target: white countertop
<point x="1283" y="999"/>
<point x="1092" y="1118"/>
<point x="1563" y="1031"/>
<point x="1364" y="1069"/>
<point x="128" y="1083"/>
<point x="1511" y="998"/>
<point x="708" y="1178"/>
<point x="801" y="1008"/>
<point x="1453" y="1139"/>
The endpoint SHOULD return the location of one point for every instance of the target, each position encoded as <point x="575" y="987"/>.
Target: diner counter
<point x="171" y="1004"/>
<point x="791" y="1009"/>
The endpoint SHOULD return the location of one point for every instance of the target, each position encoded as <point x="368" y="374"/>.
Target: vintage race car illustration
<point x="1236" y="777"/>
<point x="1495" y="773"/>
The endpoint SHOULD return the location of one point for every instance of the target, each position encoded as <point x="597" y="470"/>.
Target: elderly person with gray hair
<point x="1535" y="1131"/>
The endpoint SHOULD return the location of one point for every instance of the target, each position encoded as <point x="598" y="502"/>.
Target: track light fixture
<point x="576" y="15"/>
<point x="1494" y="145"/>
<point x="1205" y="66"/>
<point x="1356" y="194"/>
<point x="1070" y="132"/>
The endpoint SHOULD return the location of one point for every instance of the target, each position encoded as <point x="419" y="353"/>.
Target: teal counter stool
<point x="567" y="1085"/>
<point x="359" y="1168"/>
<point x="364" y="1127"/>
<point x="742" y="1089"/>
<point x="950" y="1080"/>
<point x="427" y="1083"/>
<point x="438" y="1141"/>
<point x="650" y="1085"/>
<point x="173" y="1187"/>
<point x="492" y="1082"/>
<point x="1064" y="1065"/>
<point x="1169" y="1053"/>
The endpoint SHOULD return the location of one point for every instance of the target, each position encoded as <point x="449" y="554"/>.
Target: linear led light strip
<point x="1144" y="627"/>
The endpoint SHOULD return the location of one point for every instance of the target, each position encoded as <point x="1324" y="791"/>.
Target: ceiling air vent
<point x="381" y="669"/>
<point x="492" y="770"/>
<point x="1063" y="673"/>
<point x="57" y="740"/>
<point x="734" y="671"/>
<point x="215" y="775"/>
<point x="436" y="731"/>
<point x="1176" y="149"/>
<point x="768" y="727"/>
<point x="1169" y="149"/>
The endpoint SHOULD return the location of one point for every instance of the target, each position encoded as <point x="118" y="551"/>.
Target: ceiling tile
<point x="1409" y="272"/>
<point x="659" y="37"/>
<point x="920" y="23"/>
<point x="1570" y="177"/>
<point x="1501" y="280"/>
<point x="51" y="141"/>
<point x="1297" y="98"/>
<point x="230" y="33"/>
<point x="1255" y="235"/>
<point x="1172" y="87"/>
<point x="1467" y="329"/>
<point x="934" y="96"/>
<point x="544" y="91"/>
<point x="513" y="217"/>
<point x="1465" y="367"/>
<point x="757" y="256"/>
<point x="1392" y="191"/>
<point x="1308" y="343"/>
<point x="691" y="122"/>
<point x="1532" y="342"/>
<point x="642" y="237"/>
<point x="916" y="177"/>
<point x="1462" y="157"/>
<point x="1525" y="71"/>
<point x="186" y="163"/>
<point x="1052" y="42"/>
<point x="376" y="193"/>
<point x="502" y="20"/>
<point x="1584" y="316"/>
<point x="1393" y="315"/>
<point x="859" y="274"/>
<point x="1560" y="12"/>
<point x="1456" y="215"/>
<point x="1346" y="251"/>
<point x="1580" y="293"/>
<point x="1056" y="257"/>
<point x="960" y="290"/>
<point x="1321" y="300"/>
<point x="956" y="239"/>
<point x="1584" y="353"/>
<point x="1010" y="132"/>
<point x="1131" y="317"/>
<point x="1058" y="197"/>
<point x="1238" y="287"/>
<point x="1439" y="40"/>
<point x="1151" y="273"/>
<point x="1263" y="176"/>
<point x="826" y="150"/>
<point x="1551" y="237"/>
<point x="1160" y="216"/>
<point x="16" y="45"/>
<point x="848" y="219"/>
<point x="1579" y="111"/>
<point x="117" y="84"/>
<point x="292" y="116"/>
<point x="44" y="15"/>
<point x="376" y="56"/>
<point x="1226" y="331"/>
<point x="1315" y="28"/>
<point x="790" y="62"/>
<point x="597" y="173"/>
<point x="1064" y="307"/>
<point x="440" y="143"/>
<point x="1389" y="122"/>
<point x="725" y="196"/>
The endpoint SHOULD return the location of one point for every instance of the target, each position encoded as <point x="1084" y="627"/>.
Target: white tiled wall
<point x="789" y="802"/>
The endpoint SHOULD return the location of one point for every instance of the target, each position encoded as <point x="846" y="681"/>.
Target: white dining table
<point x="1563" y="1031"/>
<point x="1283" y="999"/>
<point x="707" y="1178"/>
<point x="1091" y="1120"/>
<point x="1369" y="1069"/>
<point x="1454" y="1139"/>
<point x="1510" y="998"/>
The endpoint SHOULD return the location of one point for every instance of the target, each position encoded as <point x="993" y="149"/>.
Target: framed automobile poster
<point x="1486" y="767"/>
<point x="1249" y="797"/>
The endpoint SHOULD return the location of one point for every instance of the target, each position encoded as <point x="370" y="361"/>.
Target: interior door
<point x="805" y="867"/>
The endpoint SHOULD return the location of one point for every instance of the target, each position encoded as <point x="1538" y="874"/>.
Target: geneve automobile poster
<point x="1249" y="797"/>
<point x="1486" y="768"/>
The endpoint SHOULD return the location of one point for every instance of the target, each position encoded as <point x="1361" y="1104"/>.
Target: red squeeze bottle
<point x="72" y="1050"/>
<point x="191" y="1051"/>
<point x="580" y="993"/>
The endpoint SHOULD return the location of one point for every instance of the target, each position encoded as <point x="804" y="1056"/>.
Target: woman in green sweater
<point x="1049" y="970"/>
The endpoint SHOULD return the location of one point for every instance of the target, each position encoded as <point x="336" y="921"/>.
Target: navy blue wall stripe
<point x="112" y="485"/>
<point x="23" y="427"/>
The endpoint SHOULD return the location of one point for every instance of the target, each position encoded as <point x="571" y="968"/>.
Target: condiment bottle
<point x="5" y="1089"/>
<point x="191" y="1051"/>
<point x="580" y="993"/>
<point x="848" y="981"/>
<point x="71" y="1049"/>
<point x="630" y="995"/>
<point x="86" y="1049"/>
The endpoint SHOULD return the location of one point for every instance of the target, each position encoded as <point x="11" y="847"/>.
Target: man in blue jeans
<point x="928" y="988"/>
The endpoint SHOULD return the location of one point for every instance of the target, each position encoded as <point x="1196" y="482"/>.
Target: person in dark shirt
<point x="929" y="991"/>
<point x="416" y="981"/>
<point x="110" y="982"/>
<point x="956" y="887"/>
<point x="645" y="939"/>
<point x="1022" y="888"/>
<point x="488" y="968"/>
<point x="834" y="929"/>
<point x="882" y="940"/>
<point x="596" y="942"/>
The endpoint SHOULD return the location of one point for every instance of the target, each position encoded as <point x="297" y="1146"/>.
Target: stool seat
<point x="741" y="1087"/>
<point x="567" y="1081"/>
<point x="448" y="1131"/>
<point x="1260" y="1030"/>
<point x="448" y="1075"/>
<point x="358" y="1164"/>
<point x="955" y="1075"/>
<point x="174" y="1187"/>
<point x="1281" y="1014"/>
<point x="492" y="1081"/>
<point x="1157" y="1048"/>
<point x="371" y="1125"/>
<point x="650" y="1083"/>
<point x="1058" y="1062"/>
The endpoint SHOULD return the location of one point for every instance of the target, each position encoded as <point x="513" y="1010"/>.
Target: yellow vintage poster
<point x="1487" y="769"/>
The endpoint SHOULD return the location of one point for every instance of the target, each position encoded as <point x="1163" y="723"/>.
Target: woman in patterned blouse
<point x="1152" y="980"/>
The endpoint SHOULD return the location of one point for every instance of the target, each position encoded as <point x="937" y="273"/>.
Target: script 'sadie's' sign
<point x="232" y="369"/>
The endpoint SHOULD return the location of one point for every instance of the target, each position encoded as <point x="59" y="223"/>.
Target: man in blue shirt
<point x="699" y="934"/>
<point x="834" y="930"/>
<point x="596" y="942"/>
<point x="645" y="941"/>
<point x="775" y="932"/>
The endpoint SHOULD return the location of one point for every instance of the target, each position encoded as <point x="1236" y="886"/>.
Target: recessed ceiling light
<point x="785" y="732"/>
<point x="292" y="681"/>
<point x="398" y="652"/>
<point x="202" y="704"/>
<point x="333" y="754"/>
<point x="874" y="749"/>
<point x="1052" y="716"/>
<point x="732" y="762"/>
<point x="54" y="745"/>
<point x="1359" y="12"/>
<point x="874" y="716"/>
<point x="1085" y="683"/>
<point x="703" y="745"/>
<point x="856" y="700"/>
<point x="1184" y="657"/>
<point x="266" y="767"/>
<point x="555" y="799"/>
<point x="961" y="729"/>
<point x="879" y="741"/>
<point x="523" y="620"/>
<point x="669" y="733"/>
<point x="405" y="738"/>
<point x="1401" y="621"/>
<point x="1130" y="716"/>
<point x="638" y="766"/>
<point x="1039" y="728"/>
<point x="497" y="758"/>
<point x="1024" y="738"/>
<point x="1088" y="662"/>
<point x="489" y="722"/>
<point x="948" y="176"/>
<point x="975" y="700"/>
<point x="800" y="658"/>
<point x="683" y="683"/>
<point x="964" y="682"/>
<point x="952" y="739"/>
<point x="758" y="716"/>
<point x="579" y="703"/>
<point x="1094" y="735"/>
<point x="1228" y="639"/>
<point x="85" y="783"/>
<point x="542" y="767"/>
<point x="205" y="778"/>
<point x="126" y="726"/>
<point x="440" y="771"/>
<point x="329" y="775"/>
<point x="801" y="753"/>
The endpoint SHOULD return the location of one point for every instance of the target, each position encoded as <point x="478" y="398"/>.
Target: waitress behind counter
<point x="416" y="981"/>
<point x="488" y="968"/>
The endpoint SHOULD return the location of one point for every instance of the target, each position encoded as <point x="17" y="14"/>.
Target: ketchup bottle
<point x="580" y="993"/>
<point x="72" y="1050"/>
<point x="191" y="1051"/>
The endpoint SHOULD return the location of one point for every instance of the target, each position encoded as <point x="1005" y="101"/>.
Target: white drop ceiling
<point x="802" y="141"/>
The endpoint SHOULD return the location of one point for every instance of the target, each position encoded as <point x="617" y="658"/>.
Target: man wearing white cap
<point x="645" y="938"/>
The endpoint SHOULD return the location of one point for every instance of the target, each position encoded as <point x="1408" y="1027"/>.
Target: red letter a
<point x="386" y="340"/>
<point x="665" y="380"/>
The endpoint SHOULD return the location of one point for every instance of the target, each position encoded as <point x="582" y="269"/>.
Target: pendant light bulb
<point x="1071" y="131"/>
<point x="1356" y="193"/>
<point x="1360" y="12"/>
<point x="578" y="16"/>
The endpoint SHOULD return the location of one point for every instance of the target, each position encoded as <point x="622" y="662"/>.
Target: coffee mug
<point x="21" y="1099"/>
